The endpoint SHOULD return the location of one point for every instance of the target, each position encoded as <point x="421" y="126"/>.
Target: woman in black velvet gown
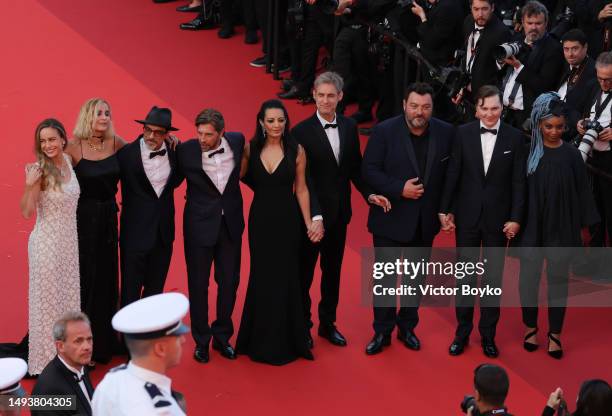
<point x="272" y="329"/>
<point x="559" y="204"/>
<point x="93" y="152"/>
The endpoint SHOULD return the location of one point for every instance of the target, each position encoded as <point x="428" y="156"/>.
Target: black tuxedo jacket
<point x="389" y="161"/>
<point x="145" y="217"/>
<point x="577" y="98"/>
<point x="329" y="182"/>
<point x="440" y="35"/>
<point x="487" y="200"/>
<point x="542" y="69"/>
<point x="484" y="69"/>
<point x="205" y="204"/>
<point x="57" y="379"/>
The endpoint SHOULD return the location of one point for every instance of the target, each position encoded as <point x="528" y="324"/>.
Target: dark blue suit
<point x="213" y="223"/>
<point x="388" y="162"/>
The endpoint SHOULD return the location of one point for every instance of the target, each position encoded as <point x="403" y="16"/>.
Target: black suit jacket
<point x="57" y="379"/>
<point x="205" y="204"/>
<point x="487" y="200"/>
<point x="484" y="69"/>
<point x="145" y="217"/>
<point x="439" y="36"/>
<point x="542" y="69"/>
<point x="329" y="183"/>
<point x="389" y="161"/>
<point x="577" y="97"/>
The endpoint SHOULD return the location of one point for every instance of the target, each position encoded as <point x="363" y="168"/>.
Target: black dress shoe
<point x="186" y="8"/>
<point x="250" y="37"/>
<point x="226" y="32"/>
<point x="410" y="340"/>
<point x="225" y="349"/>
<point x="557" y="354"/>
<point x="489" y="348"/>
<point x="286" y="84"/>
<point x="377" y="343"/>
<point x="201" y="354"/>
<point x="258" y="62"/>
<point x="198" y="24"/>
<point x="457" y="347"/>
<point x="293" y="94"/>
<point x="309" y="340"/>
<point x="361" y="117"/>
<point x="331" y="333"/>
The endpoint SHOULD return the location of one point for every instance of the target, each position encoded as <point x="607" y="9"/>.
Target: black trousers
<point x="143" y="273"/>
<point x="388" y="250"/>
<point x="469" y="244"/>
<point x="351" y="61"/>
<point x="557" y="274"/>
<point x="602" y="188"/>
<point x="318" y="32"/>
<point x="331" y="250"/>
<point x="226" y="257"/>
<point x="261" y="13"/>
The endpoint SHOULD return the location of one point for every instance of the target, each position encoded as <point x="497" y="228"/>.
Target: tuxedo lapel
<point x="500" y="145"/>
<point x="172" y="160"/>
<point x="237" y="152"/>
<point x="431" y="151"/>
<point x="407" y="141"/>
<point x="71" y="380"/>
<point x="342" y="133"/>
<point x="319" y="132"/>
<point x="140" y="172"/>
<point x="476" y="144"/>
<point x="196" y="154"/>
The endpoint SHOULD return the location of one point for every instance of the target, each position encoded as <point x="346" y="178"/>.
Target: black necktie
<point x="484" y="130"/>
<point x="330" y="126"/>
<point x="158" y="153"/>
<point x="77" y="377"/>
<point x="217" y="152"/>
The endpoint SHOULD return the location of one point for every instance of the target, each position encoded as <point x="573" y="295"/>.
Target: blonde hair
<point x="83" y="129"/>
<point x="51" y="176"/>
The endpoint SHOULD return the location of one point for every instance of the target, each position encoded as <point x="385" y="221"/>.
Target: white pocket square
<point x="507" y="151"/>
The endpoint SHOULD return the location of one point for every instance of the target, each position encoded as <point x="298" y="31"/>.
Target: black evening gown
<point x="97" y="230"/>
<point x="272" y="329"/>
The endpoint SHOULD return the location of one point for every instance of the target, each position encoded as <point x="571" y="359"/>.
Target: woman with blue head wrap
<point x="559" y="204"/>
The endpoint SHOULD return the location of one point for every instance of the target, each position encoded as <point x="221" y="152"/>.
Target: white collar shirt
<point x="156" y="168"/>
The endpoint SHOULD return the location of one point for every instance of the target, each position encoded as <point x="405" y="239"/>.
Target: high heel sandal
<point x="530" y="346"/>
<point x="557" y="354"/>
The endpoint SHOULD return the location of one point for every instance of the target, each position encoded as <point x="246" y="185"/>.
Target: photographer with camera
<point x="595" y="19"/>
<point x="482" y="31"/>
<point x="534" y="65"/>
<point x="491" y="385"/>
<point x="594" y="399"/>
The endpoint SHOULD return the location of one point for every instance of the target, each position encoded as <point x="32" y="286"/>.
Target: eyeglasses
<point x="604" y="80"/>
<point x="155" y="133"/>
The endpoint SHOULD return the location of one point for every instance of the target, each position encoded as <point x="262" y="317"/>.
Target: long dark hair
<point x="594" y="399"/>
<point x="259" y="139"/>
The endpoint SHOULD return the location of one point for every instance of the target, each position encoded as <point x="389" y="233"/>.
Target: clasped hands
<point x="315" y="231"/>
<point x="447" y="221"/>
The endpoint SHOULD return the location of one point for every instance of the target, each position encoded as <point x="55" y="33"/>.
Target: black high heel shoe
<point x="558" y="354"/>
<point x="529" y="346"/>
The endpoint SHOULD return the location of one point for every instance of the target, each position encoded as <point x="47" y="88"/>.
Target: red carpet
<point x="56" y="54"/>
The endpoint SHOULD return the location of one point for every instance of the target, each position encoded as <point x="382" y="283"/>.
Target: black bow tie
<point x="158" y="153"/>
<point x="330" y="126"/>
<point x="477" y="30"/>
<point x="77" y="377"/>
<point x="217" y="152"/>
<point x="484" y="130"/>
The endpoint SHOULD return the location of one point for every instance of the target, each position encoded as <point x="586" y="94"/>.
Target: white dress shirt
<point x="79" y="375"/>
<point x="333" y="135"/>
<point x="604" y="119"/>
<point x="487" y="144"/>
<point x="518" y="99"/>
<point x="157" y="168"/>
<point x="220" y="166"/>
<point x="122" y="392"/>
<point x="471" y="48"/>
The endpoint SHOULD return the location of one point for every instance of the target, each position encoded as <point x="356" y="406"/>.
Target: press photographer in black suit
<point x="491" y="385"/>
<point x="577" y="79"/>
<point x="148" y="180"/>
<point x="484" y="196"/>
<point x="535" y="69"/>
<point x="482" y="31"/>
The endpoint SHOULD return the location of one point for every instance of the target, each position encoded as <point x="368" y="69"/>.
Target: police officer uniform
<point x="130" y="389"/>
<point x="12" y="371"/>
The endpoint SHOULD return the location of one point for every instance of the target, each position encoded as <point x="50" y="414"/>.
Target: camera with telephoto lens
<point x="506" y="50"/>
<point x="593" y="128"/>
<point x="467" y="402"/>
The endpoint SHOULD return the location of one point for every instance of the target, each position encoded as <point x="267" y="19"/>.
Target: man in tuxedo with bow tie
<point x="67" y="373"/>
<point x="331" y="142"/>
<point x="482" y="31"/>
<point x="148" y="179"/>
<point x="212" y="228"/>
<point x="578" y="78"/>
<point x="484" y="196"/>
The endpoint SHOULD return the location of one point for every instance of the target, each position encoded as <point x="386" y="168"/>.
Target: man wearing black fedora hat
<point x="148" y="179"/>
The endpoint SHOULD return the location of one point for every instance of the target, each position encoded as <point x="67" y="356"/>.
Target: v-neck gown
<point x="272" y="329"/>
